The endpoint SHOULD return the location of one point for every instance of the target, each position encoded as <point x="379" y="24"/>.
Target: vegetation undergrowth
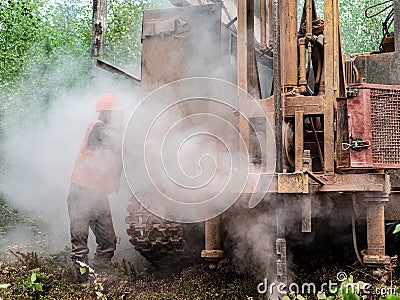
<point x="33" y="276"/>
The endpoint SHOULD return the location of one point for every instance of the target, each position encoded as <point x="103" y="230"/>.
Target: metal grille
<point x="385" y="119"/>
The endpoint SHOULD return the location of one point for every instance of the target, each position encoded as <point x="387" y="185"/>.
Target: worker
<point x="96" y="174"/>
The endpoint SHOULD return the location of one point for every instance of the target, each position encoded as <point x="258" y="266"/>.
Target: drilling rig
<point x="336" y="117"/>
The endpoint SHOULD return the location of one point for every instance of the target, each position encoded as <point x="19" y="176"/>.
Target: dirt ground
<point x="33" y="276"/>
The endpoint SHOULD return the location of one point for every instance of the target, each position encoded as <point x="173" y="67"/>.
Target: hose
<point x="379" y="12"/>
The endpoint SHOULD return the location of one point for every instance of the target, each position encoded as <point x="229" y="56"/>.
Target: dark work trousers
<point x="90" y="209"/>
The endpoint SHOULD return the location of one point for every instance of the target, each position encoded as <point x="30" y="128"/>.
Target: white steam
<point x="40" y="152"/>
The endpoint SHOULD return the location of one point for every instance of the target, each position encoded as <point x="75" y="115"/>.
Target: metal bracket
<point x="352" y="92"/>
<point x="212" y="255"/>
<point x="376" y="260"/>
<point x="356" y="145"/>
<point x="281" y="260"/>
<point x="293" y="183"/>
<point x="166" y="26"/>
<point x="315" y="178"/>
<point x="112" y="69"/>
<point x="306" y="213"/>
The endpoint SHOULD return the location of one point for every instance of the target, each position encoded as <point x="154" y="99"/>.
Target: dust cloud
<point x="40" y="152"/>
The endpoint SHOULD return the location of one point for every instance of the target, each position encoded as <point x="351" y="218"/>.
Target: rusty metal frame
<point x="299" y="140"/>
<point x="331" y="57"/>
<point x="112" y="69"/>
<point x="289" y="104"/>
<point x="289" y="40"/>
<point x="263" y="25"/>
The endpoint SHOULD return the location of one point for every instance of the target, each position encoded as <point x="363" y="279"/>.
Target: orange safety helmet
<point x="108" y="102"/>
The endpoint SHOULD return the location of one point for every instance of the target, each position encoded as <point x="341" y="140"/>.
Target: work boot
<point x="102" y="265"/>
<point x="81" y="270"/>
<point x="82" y="277"/>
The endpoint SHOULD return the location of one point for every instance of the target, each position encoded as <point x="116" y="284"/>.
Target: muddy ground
<point x="34" y="276"/>
<point x="54" y="279"/>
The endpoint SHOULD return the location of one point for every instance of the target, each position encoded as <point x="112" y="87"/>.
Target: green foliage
<point x="65" y="37"/>
<point x="35" y="283"/>
<point x="390" y="297"/>
<point x="9" y="214"/>
<point x="395" y="296"/>
<point x="36" y="36"/>
<point x="322" y="296"/>
<point x="348" y="290"/>
<point x="50" y="50"/>
<point x="294" y="297"/>
<point x="99" y="291"/>
<point x="124" y="31"/>
<point x="359" y="33"/>
<point x="58" y="282"/>
<point x="19" y="28"/>
<point x="396" y="229"/>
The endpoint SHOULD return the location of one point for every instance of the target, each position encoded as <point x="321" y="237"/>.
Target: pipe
<point x="213" y="234"/>
<point x="309" y="19"/>
<point x="309" y="33"/>
<point x="289" y="44"/>
<point x="212" y="252"/>
<point x="376" y="255"/>
<point x="375" y="226"/>
<point x="302" y="62"/>
<point x="280" y="210"/>
<point x="270" y="22"/>
<point x="263" y="25"/>
<point x="277" y="85"/>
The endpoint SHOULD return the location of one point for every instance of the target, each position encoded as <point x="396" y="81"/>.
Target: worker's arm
<point x="96" y="137"/>
<point x="102" y="139"/>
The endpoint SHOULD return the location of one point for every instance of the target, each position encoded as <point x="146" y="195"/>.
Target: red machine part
<point x="370" y="133"/>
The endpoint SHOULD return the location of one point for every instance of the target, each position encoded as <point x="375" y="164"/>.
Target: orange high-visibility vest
<point x="98" y="169"/>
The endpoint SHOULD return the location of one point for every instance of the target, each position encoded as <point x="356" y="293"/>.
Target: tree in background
<point x="45" y="52"/>
<point x="45" y="47"/>
<point x="19" y="28"/>
<point x="35" y="34"/>
<point x="124" y="31"/>
<point x="359" y="34"/>
<point x="45" y="44"/>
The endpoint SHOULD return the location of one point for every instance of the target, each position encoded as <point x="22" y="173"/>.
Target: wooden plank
<point x="289" y="43"/>
<point x="306" y="213"/>
<point x="242" y="49"/>
<point x="312" y="105"/>
<point x="331" y="78"/>
<point x="99" y="27"/>
<point x="299" y="140"/>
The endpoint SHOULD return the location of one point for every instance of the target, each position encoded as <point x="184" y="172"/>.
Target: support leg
<point x="281" y="264"/>
<point x="213" y="252"/>
<point x="375" y="254"/>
